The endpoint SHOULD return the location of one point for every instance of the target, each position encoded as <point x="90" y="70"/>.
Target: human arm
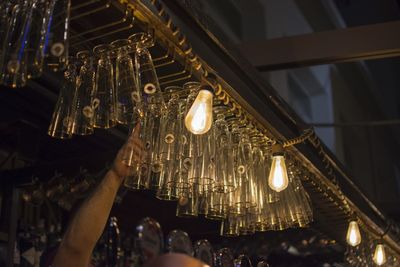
<point x="88" y="223"/>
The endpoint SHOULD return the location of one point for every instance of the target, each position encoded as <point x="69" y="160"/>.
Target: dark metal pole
<point x="12" y="228"/>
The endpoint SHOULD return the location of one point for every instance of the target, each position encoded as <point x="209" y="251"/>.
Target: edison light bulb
<point x="353" y="236"/>
<point x="200" y="116"/>
<point x="379" y="255"/>
<point x="278" y="178"/>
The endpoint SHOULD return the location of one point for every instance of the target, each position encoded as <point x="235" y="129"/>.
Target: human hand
<point x="135" y="144"/>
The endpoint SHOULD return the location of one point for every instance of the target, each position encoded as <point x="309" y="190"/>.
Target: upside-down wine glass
<point x="83" y="104"/>
<point x="104" y="91"/>
<point x="169" y="134"/>
<point x="14" y="67"/>
<point x="56" y="47"/>
<point x="61" y="122"/>
<point x="153" y="103"/>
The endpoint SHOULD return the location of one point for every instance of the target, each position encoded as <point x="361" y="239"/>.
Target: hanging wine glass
<point x="216" y="208"/>
<point x="203" y="199"/>
<point x="83" y="104"/>
<point x="14" y="69"/>
<point x="298" y="196"/>
<point x="230" y="225"/>
<point x="246" y="193"/>
<point x="146" y="74"/>
<point x="57" y="35"/>
<point x="61" y="122"/>
<point x="261" y="184"/>
<point x="125" y="82"/>
<point x="36" y="40"/>
<point x="188" y="199"/>
<point x="188" y="203"/>
<point x="104" y="91"/>
<point x="247" y="222"/>
<point x="169" y="133"/>
<point x="148" y="120"/>
<point x="153" y="103"/>
<point x="246" y="156"/>
<point x="269" y="218"/>
<point x="225" y="174"/>
<point x="5" y="7"/>
<point x="202" y="172"/>
<point x="138" y="161"/>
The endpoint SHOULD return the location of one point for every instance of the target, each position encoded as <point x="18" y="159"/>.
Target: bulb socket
<point x="277" y="150"/>
<point x="211" y="78"/>
<point x="207" y="88"/>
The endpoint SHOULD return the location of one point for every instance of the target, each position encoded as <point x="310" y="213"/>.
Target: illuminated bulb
<point x="353" y="236"/>
<point x="199" y="118"/>
<point x="278" y="178"/>
<point x="379" y="255"/>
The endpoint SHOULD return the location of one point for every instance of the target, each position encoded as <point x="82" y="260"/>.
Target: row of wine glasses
<point x="221" y="174"/>
<point x="289" y="208"/>
<point x="60" y="189"/>
<point x="108" y="92"/>
<point x="363" y="254"/>
<point x="34" y="35"/>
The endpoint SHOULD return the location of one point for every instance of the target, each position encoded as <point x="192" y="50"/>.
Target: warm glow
<point x="353" y="236"/>
<point x="200" y="116"/>
<point x="379" y="255"/>
<point x="199" y="119"/>
<point x="278" y="178"/>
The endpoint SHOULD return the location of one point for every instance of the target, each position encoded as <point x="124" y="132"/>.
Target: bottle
<point x="112" y="243"/>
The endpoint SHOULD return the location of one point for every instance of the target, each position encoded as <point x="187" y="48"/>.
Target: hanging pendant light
<point x="199" y="118"/>
<point x="278" y="177"/>
<point x="379" y="254"/>
<point x="353" y="236"/>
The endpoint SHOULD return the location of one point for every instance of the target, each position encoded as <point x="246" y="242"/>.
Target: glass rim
<point x="84" y="54"/>
<point x="191" y="85"/>
<point x="142" y="38"/>
<point x="101" y="48"/>
<point x="120" y="43"/>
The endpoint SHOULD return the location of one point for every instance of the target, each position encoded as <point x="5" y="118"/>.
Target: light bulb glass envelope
<point x="353" y="236"/>
<point x="199" y="118"/>
<point x="379" y="255"/>
<point x="278" y="177"/>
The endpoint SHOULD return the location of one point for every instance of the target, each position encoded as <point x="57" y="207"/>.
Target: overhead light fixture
<point x="199" y="118"/>
<point x="353" y="236"/>
<point x="278" y="178"/>
<point x="379" y="254"/>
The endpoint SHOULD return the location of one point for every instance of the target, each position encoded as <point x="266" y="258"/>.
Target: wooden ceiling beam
<point x="343" y="45"/>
